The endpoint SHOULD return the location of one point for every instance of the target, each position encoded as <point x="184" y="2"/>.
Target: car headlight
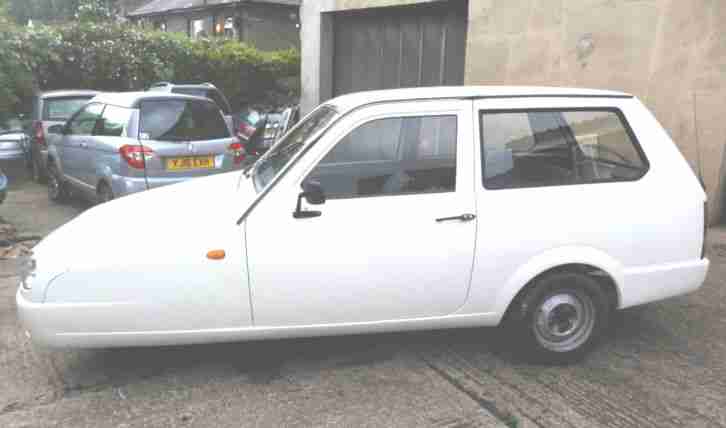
<point x="27" y="272"/>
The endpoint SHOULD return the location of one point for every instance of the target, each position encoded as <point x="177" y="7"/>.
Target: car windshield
<point x="181" y="121"/>
<point x="274" y="161"/>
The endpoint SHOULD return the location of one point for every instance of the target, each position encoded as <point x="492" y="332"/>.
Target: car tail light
<point x="136" y="155"/>
<point x="245" y="130"/>
<point x="39" y="133"/>
<point x="237" y="152"/>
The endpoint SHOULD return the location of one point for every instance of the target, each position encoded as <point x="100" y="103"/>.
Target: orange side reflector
<point x="216" y="254"/>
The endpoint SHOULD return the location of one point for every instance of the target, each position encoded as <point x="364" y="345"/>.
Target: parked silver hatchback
<point x="121" y="143"/>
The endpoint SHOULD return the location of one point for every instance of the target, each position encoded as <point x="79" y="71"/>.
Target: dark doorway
<point x="394" y="47"/>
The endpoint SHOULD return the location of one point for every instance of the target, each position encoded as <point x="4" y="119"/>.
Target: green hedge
<point x="114" y="57"/>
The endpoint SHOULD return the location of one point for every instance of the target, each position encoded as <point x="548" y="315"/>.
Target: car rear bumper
<point x="127" y="185"/>
<point x="653" y="283"/>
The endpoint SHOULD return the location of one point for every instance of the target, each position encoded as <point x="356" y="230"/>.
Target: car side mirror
<point x="313" y="192"/>
<point x="57" y="129"/>
<point x="314" y="195"/>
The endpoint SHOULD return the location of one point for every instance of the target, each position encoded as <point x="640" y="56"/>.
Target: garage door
<point x="394" y="47"/>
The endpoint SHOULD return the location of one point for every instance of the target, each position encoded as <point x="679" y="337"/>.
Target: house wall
<point x="266" y="26"/>
<point x="126" y="6"/>
<point x="177" y="24"/>
<point x="669" y="53"/>
<point x="271" y="27"/>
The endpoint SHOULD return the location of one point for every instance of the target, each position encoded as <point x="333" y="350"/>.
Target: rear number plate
<point x="190" y="162"/>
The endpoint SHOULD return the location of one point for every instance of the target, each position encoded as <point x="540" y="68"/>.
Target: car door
<point x="110" y="136"/>
<point x="189" y="138"/>
<point x="75" y="144"/>
<point x="394" y="240"/>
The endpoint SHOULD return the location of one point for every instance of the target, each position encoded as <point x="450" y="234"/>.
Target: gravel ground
<point x="662" y="365"/>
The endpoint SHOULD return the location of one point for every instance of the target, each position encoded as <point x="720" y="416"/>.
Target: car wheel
<point x="104" y="193"/>
<point x="57" y="191"/>
<point x="562" y="317"/>
<point x="38" y="175"/>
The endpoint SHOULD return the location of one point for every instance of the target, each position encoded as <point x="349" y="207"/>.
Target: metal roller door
<point x="394" y="47"/>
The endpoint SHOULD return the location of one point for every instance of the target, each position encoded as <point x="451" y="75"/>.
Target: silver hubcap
<point x="564" y="321"/>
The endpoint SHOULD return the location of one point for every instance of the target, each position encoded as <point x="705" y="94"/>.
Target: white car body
<point x="134" y="271"/>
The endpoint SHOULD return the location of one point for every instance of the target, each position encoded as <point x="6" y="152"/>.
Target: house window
<point x="229" y="28"/>
<point x="196" y="29"/>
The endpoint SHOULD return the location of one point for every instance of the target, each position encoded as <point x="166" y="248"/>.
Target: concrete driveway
<point x="663" y="365"/>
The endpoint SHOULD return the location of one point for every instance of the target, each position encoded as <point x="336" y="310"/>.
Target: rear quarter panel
<point x="623" y="228"/>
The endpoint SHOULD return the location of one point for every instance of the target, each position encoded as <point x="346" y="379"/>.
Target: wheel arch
<point x="103" y="181"/>
<point x="105" y="176"/>
<point x="595" y="263"/>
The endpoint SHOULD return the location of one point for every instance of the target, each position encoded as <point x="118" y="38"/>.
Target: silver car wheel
<point x="564" y="320"/>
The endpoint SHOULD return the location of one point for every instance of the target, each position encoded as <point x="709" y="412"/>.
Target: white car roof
<point x="350" y="101"/>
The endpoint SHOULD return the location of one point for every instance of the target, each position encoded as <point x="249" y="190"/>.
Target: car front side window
<point x="85" y="121"/>
<point x="392" y="156"/>
<point x="114" y="121"/>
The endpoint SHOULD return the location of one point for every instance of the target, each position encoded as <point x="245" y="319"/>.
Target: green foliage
<point x="21" y="11"/>
<point x="41" y="10"/>
<point x="114" y="57"/>
<point x="94" y="11"/>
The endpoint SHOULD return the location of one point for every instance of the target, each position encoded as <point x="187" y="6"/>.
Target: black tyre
<point x="104" y="193"/>
<point x="57" y="191"/>
<point x="561" y="317"/>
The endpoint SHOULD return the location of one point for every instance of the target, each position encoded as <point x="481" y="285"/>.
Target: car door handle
<point x="83" y="144"/>
<point x="463" y="217"/>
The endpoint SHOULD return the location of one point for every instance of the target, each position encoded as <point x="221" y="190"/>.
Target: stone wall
<point x="669" y="53"/>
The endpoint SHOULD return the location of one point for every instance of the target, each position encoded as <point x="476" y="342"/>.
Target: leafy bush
<point x="114" y="57"/>
<point x="94" y="11"/>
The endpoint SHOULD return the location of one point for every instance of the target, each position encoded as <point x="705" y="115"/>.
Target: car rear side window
<point x="392" y="156"/>
<point x="61" y="109"/>
<point x="181" y="120"/>
<point x="558" y="147"/>
<point x="114" y="121"/>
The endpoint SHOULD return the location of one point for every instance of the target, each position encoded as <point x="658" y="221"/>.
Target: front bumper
<point x="31" y="316"/>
